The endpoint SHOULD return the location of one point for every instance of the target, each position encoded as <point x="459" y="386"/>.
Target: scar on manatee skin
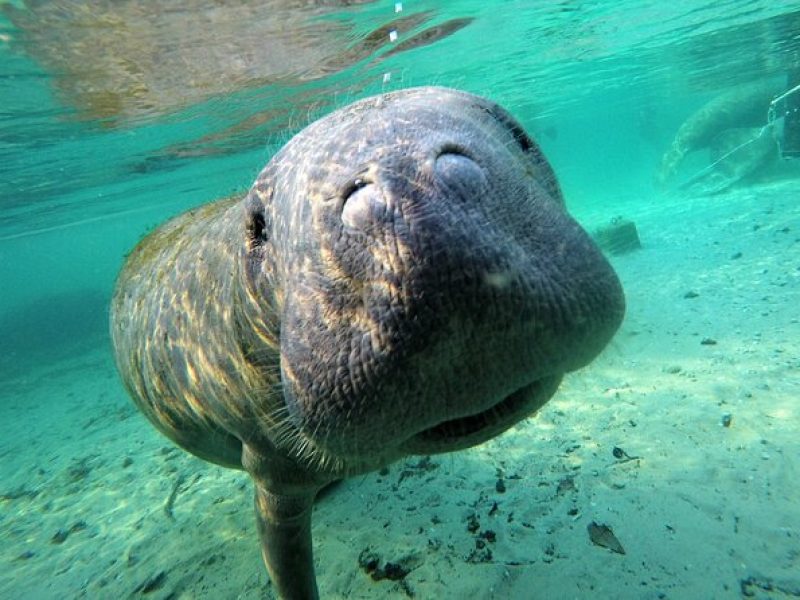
<point x="499" y="279"/>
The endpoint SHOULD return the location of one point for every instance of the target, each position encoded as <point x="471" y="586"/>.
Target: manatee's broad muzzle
<point x="453" y="292"/>
<point x="466" y="330"/>
<point x="505" y="309"/>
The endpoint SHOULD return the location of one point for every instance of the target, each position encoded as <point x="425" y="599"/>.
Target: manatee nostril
<point x="355" y="185"/>
<point x="363" y="202"/>
<point x="457" y="169"/>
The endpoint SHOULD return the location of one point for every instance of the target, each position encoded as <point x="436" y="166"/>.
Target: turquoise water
<point x="116" y="116"/>
<point x="601" y="85"/>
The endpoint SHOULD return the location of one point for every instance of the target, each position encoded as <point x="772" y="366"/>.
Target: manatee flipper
<point x="284" y="500"/>
<point x="284" y="527"/>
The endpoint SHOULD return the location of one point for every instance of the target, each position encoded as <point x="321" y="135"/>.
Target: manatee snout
<point x="454" y="290"/>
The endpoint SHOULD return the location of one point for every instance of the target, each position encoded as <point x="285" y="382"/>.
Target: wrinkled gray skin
<point x="402" y="278"/>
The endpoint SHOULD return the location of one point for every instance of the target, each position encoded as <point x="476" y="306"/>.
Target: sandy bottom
<point x="95" y="504"/>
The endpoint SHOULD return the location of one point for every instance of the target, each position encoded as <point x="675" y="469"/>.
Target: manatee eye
<point x="362" y="202"/>
<point x="256" y="225"/>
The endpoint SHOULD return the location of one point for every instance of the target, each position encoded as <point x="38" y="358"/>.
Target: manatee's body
<point x="402" y="278"/>
<point x="728" y="125"/>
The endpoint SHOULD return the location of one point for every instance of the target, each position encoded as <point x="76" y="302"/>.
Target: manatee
<point x="402" y="278"/>
<point x="739" y="108"/>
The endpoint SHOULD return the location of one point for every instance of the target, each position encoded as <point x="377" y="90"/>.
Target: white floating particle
<point x="398" y="7"/>
<point x="387" y="77"/>
<point x="393" y="35"/>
